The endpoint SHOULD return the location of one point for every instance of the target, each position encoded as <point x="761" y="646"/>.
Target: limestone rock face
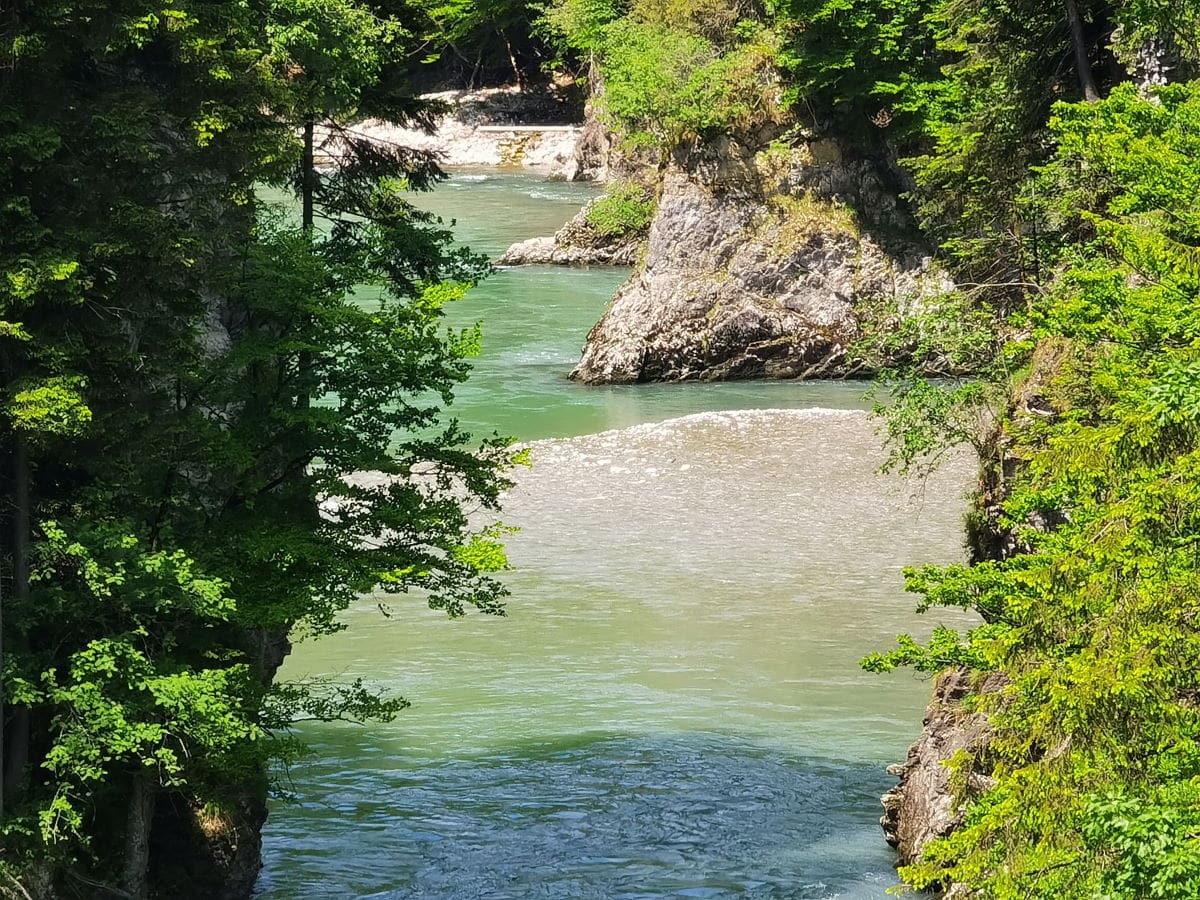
<point x="600" y="153"/>
<point x="533" y="252"/>
<point x="488" y="127"/>
<point x="761" y="265"/>
<point x="595" y="150"/>
<point x="924" y="805"/>
<point x="196" y="853"/>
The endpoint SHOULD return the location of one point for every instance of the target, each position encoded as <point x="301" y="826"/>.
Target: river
<point x="673" y="706"/>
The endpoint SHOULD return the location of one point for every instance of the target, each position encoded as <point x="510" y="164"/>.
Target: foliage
<point x="923" y="419"/>
<point x="1094" y="750"/>
<point x="951" y="336"/>
<point x="1172" y="27"/>
<point x="663" y="85"/>
<point x="857" y="58"/>
<point x="625" y="208"/>
<point x="491" y="35"/>
<point x="670" y="70"/>
<point x="192" y="387"/>
<point x="578" y="25"/>
<point x="724" y="22"/>
<point x="963" y="91"/>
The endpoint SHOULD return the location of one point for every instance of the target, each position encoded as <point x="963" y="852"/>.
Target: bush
<point x="626" y="209"/>
<point x="662" y="85"/>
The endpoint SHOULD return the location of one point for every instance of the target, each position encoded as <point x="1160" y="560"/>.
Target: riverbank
<point x="503" y="127"/>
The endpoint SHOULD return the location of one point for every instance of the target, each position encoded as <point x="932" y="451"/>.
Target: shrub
<point x="662" y="85"/>
<point x="625" y="209"/>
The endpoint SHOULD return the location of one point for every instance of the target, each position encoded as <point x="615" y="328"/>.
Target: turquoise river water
<point x="673" y="706"/>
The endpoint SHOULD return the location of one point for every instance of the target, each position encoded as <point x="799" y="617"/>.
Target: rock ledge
<point x="926" y="805"/>
<point x="577" y="244"/>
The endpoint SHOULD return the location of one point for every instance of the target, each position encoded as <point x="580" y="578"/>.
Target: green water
<point x="673" y="707"/>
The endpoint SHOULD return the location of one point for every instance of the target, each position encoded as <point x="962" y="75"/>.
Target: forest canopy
<point x="188" y="389"/>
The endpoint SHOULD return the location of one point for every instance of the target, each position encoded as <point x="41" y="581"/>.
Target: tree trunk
<point x="21" y="518"/>
<point x="308" y="220"/>
<point x="2" y="696"/>
<point x="14" y="747"/>
<point x="308" y="177"/>
<point x="136" y="878"/>
<point x="1087" y="79"/>
<point x="475" y="71"/>
<point x="512" y="59"/>
<point x="16" y="755"/>
<point x="17" y="746"/>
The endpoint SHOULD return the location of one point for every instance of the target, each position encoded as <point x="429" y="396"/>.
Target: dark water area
<point x="607" y="817"/>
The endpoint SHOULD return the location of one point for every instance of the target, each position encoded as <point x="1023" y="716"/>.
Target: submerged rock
<point x="763" y="264"/>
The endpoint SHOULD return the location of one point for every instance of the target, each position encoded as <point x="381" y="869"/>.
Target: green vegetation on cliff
<point x="1096" y="747"/>
<point x="1083" y="216"/>
<point x="624" y="209"/>
<point x="190" y="381"/>
<point x="1050" y="151"/>
<point x="671" y="70"/>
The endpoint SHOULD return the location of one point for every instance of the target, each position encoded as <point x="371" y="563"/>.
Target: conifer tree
<point x="219" y="425"/>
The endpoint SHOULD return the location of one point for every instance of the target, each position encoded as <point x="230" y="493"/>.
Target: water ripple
<point x="609" y="817"/>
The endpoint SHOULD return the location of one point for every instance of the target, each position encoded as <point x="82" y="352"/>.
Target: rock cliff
<point x="928" y="802"/>
<point x="489" y="127"/>
<point x="762" y="264"/>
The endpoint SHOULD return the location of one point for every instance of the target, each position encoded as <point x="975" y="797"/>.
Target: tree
<point x="1095" y="748"/>
<point x="187" y="378"/>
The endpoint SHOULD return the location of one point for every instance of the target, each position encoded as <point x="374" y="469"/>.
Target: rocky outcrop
<point x="489" y="127"/>
<point x="209" y="853"/>
<point x="595" y="151"/>
<point x="601" y="154"/>
<point x="762" y="265"/>
<point x="928" y="802"/>
<point x="578" y="243"/>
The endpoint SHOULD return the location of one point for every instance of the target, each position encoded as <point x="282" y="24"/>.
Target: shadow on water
<point x="595" y="816"/>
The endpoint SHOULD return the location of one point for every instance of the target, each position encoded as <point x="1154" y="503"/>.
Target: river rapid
<point x="673" y="707"/>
